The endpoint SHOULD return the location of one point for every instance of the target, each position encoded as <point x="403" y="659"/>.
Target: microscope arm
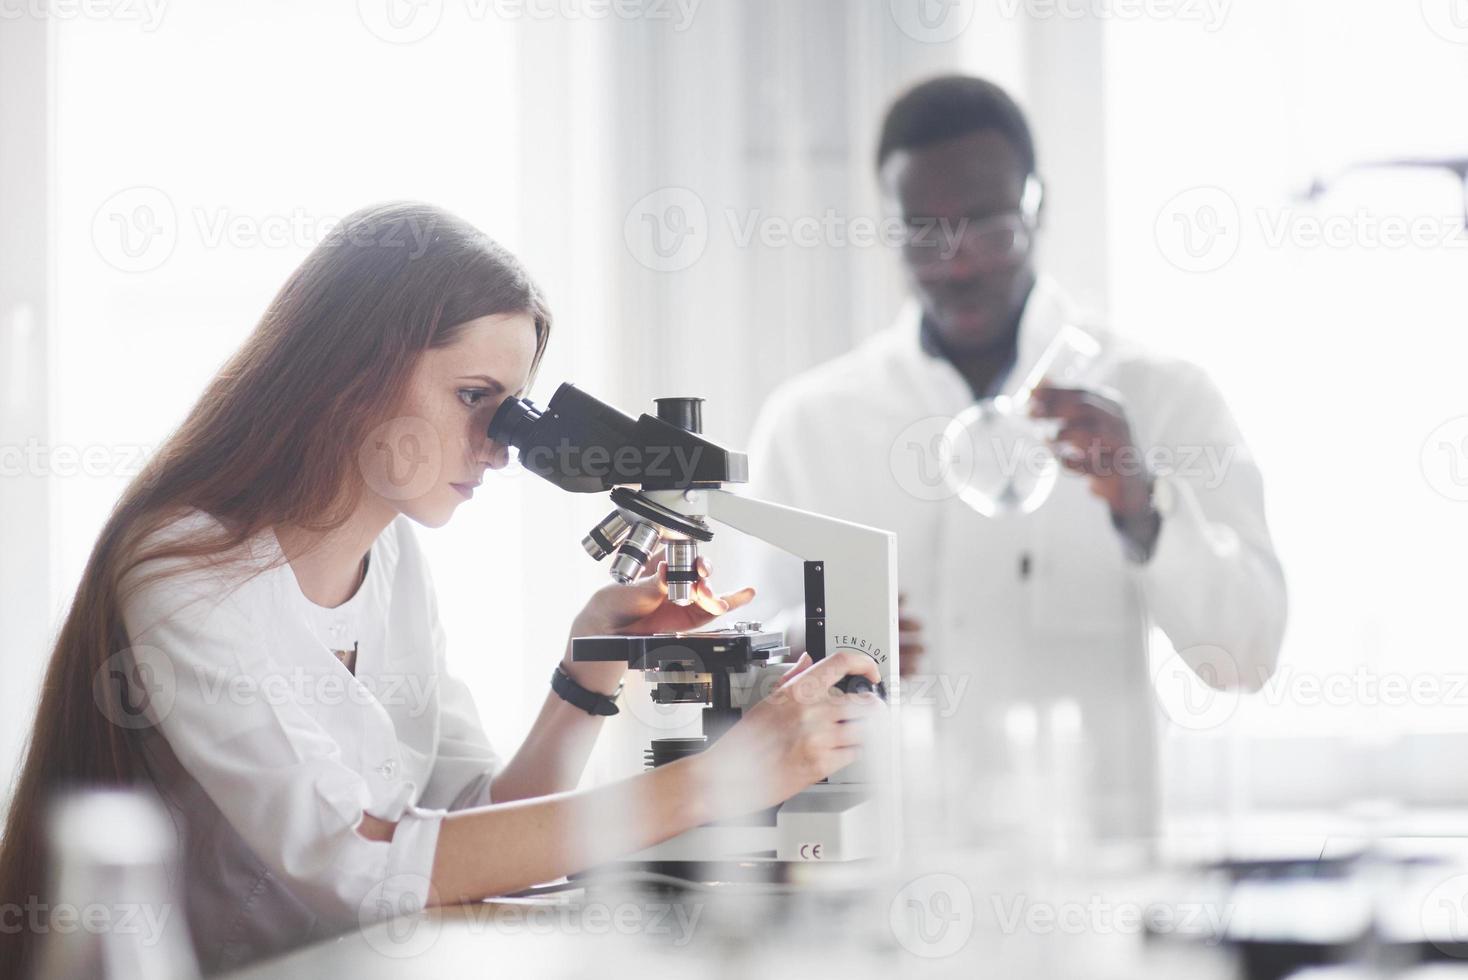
<point x="850" y="569"/>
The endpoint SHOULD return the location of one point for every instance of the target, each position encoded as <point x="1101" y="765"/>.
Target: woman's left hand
<point x="641" y="608"/>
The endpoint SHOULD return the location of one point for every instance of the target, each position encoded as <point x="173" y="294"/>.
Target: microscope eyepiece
<point x="586" y="446"/>
<point x="508" y="427"/>
<point x="685" y="413"/>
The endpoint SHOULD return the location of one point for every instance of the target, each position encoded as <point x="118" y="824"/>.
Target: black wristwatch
<point x="588" y="701"/>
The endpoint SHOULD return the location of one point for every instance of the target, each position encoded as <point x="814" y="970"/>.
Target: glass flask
<point x="1001" y="461"/>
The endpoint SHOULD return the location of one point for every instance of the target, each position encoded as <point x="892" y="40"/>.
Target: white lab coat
<point x="1044" y="608"/>
<point x="269" y="752"/>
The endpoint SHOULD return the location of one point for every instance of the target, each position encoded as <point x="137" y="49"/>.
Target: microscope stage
<point x="704" y="651"/>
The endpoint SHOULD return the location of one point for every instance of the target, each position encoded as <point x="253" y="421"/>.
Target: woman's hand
<point x="642" y="608"/>
<point x="804" y="731"/>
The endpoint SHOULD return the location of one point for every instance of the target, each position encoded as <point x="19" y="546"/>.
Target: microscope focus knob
<point x="859" y="684"/>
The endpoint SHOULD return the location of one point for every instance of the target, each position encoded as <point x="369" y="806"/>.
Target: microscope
<point x="668" y="486"/>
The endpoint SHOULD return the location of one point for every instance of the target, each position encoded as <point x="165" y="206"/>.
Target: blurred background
<point x="689" y="180"/>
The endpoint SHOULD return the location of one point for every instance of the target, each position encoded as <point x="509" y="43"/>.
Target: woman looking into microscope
<point x="271" y="537"/>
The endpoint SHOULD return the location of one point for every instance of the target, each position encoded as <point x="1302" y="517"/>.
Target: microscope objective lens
<point x="682" y="571"/>
<point x="607" y="536"/>
<point x="635" y="551"/>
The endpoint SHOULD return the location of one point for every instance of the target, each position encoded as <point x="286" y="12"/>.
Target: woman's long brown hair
<point x="272" y="441"/>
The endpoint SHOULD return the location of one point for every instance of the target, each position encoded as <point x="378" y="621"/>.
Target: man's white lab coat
<point x="1043" y="608"/>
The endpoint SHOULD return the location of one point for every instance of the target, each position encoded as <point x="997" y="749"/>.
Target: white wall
<point x="1339" y="360"/>
<point x="26" y="333"/>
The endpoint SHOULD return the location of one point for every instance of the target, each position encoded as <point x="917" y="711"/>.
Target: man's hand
<point x="910" y="648"/>
<point x="1096" y="441"/>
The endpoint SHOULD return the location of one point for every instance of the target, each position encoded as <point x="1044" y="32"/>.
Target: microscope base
<point x="824" y="823"/>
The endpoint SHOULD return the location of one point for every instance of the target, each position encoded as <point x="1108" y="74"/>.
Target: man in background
<point x="1157" y="517"/>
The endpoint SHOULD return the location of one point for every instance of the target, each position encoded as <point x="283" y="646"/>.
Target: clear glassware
<point x="1001" y="460"/>
<point x="114" y="910"/>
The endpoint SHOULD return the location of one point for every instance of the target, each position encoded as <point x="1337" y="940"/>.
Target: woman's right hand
<point x="802" y="732"/>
